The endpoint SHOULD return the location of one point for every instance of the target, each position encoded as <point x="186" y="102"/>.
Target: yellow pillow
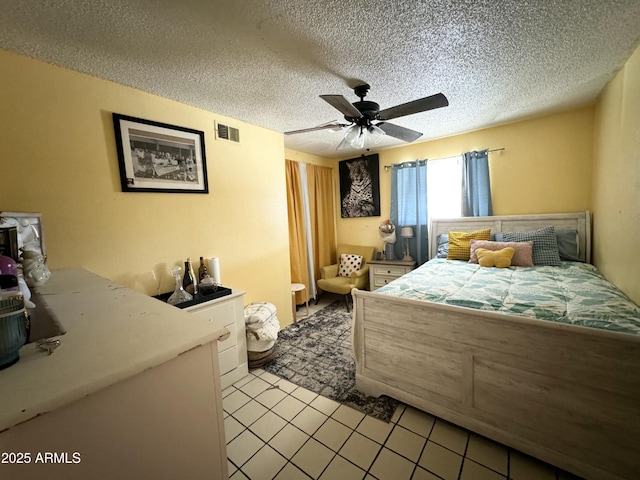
<point x="460" y="243"/>
<point x="495" y="258"/>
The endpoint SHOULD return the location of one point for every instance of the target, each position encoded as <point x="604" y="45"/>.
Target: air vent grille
<point x="226" y="132"/>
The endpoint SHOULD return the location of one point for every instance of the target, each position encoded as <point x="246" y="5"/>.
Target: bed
<point x="565" y="393"/>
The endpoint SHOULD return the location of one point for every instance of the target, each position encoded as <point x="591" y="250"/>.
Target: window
<point x="444" y="188"/>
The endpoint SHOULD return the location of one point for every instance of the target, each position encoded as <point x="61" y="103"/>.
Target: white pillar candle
<point x="214" y="269"/>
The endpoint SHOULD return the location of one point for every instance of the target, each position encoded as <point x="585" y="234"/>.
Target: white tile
<point x="449" y="436"/>
<point x="474" y="471"/>
<point x="244" y="380"/>
<point x="325" y="405"/>
<point x="286" y="386"/>
<point x="398" y="412"/>
<point x="228" y="391"/>
<point x="488" y="453"/>
<point x="406" y="443"/>
<point x="234" y="401"/>
<point x="417" y="421"/>
<point x="291" y="472"/>
<point x="312" y="458"/>
<point x="332" y="434"/>
<point x="231" y="468"/>
<point x="264" y="464"/>
<point x="255" y="387"/>
<point x="309" y="420"/>
<point x="269" y="377"/>
<point x="347" y="415"/>
<point x="375" y="429"/>
<point x="524" y="467"/>
<point x="232" y="428"/>
<point x="341" y="469"/>
<point x="270" y="397"/>
<point x="304" y="395"/>
<point x="422" y="474"/>
<point x="243" y="447"/>
<point x="391" y="466"/>
<point x="288" y="440"/>
<point x="288" y="408"/>
<point x="440" y="461"/>
<point x="238" y="475"/>
<point x="267" y="426"/>
<point x="249" y="413"/>
<point x="360" y="450"/>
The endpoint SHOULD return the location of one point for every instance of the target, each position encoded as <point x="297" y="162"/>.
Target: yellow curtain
<point x="322" y="213"/>
<point x="297" y="238"/>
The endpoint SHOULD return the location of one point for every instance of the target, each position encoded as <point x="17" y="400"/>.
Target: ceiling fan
<point x="362" y="114"/>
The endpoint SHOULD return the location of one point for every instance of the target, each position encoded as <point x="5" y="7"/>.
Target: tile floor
<point x="277" y="430"/>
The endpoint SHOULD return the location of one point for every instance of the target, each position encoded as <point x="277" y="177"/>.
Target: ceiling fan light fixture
<point x="376" y="134"/>
<point x="358" y="141"/>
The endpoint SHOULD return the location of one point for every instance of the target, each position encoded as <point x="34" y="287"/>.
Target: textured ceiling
<point x="265" y="62"/>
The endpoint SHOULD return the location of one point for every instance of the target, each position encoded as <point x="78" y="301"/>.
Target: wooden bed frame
<point x="565" y="394"/>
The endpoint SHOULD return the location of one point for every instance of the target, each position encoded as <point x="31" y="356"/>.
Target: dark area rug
<point x="316" y="353"/>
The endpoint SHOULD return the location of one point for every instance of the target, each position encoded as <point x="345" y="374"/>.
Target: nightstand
<point x="382" y="272"/>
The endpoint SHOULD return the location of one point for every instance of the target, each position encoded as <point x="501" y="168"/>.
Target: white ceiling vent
<point x="226" y="132"/>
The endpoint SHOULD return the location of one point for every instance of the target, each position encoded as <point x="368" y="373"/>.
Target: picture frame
<point x="360" y="186"/>
<point x="158" y="157"/>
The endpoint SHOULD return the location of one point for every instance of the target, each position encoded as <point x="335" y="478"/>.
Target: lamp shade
<point x="406" y="232"/>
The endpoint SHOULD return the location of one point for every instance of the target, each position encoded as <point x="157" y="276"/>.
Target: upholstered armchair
<point x="331" y="281"/>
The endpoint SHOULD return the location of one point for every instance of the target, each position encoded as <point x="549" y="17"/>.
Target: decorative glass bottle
<point x="179" y="294"/>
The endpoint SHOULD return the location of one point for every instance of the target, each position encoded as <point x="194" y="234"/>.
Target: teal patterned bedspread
<point x="574" y="293"/>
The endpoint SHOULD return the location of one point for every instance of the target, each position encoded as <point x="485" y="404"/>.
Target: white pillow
<point x="349" y="263"/>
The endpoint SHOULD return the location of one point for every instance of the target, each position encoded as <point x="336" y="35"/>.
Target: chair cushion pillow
<point x="495" y="258"/>
<point x="460" y="243"/>
<point x="349" y="263"/>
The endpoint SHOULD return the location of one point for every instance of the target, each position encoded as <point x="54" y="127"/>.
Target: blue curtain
<point x="476" y="187"/>
<point x="409" y="207"/>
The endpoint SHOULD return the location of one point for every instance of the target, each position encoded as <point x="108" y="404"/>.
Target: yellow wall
<point x="546" y="167"/>
<point x="616" y="180"/>
<point x="59" y="157"/>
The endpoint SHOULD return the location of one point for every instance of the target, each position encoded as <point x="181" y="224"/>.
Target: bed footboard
<point x="567" y="395"/>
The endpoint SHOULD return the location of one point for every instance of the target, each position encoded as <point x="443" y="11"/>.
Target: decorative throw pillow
<point x="521" y="258"/>
<point x="495" y="258"/>
<point x="460" y="243"/>
<point x="349" y="263"/>
<point x="443" y="245"/>
<point x="545" y="244"/>
<point x="568" y="244"/>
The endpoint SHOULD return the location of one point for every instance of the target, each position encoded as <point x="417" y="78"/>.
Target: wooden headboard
<point x="580" y="221"/>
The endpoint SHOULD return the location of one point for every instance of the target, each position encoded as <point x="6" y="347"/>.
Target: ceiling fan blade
<point x="421" y="105"/>
<point x="397" y="131"/>
<point x="326" y="126"/>
<point x="342" y="104"/>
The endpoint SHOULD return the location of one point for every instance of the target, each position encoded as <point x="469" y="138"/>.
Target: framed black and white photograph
<point x="360" y="187"/>
<point x="158" y="157"/>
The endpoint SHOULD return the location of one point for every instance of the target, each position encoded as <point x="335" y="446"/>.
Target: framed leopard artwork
<point x="360" y="187"/>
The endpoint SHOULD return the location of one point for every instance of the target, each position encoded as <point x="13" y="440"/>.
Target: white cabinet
<point x="228" y="312"/>
<point x="382" y="272"/>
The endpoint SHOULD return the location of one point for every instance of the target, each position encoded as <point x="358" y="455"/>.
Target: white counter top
<point x="112" y="334"/>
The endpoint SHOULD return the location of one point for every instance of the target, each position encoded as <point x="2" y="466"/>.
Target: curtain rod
<point x="387" y="167"/>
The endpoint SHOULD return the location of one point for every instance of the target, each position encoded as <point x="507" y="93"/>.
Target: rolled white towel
<point x="262" y="339"/>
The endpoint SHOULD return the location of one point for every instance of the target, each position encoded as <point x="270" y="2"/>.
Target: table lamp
<point x="406" y="233"/>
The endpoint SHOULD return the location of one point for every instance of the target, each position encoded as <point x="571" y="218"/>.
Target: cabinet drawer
<point x="232" y="341"/>
<point x="228" y="360"/>
<point x="382" y="280"/>
<point x="217" y="314"/>
<point x="389" y="270"/>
